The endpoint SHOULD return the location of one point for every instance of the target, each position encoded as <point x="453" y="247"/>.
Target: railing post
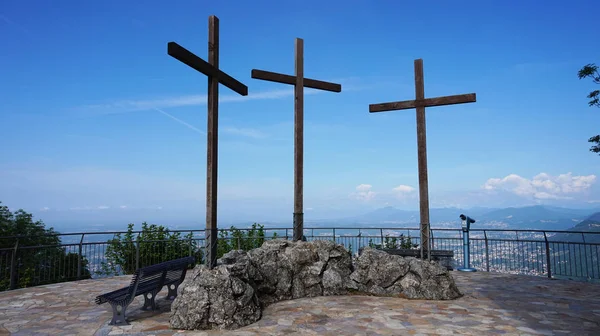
<point x="13" y="266"/>
<point x="381" y="233"/>
<point x="137" y="252"/>
<point x="585" y="255"/>
<point x="432" y="240"/>
<point x="487" y="252"/>
<point x="548" y="256"/>
<point x="190" y="246"/>
<point x="334" y="235"/>
<point x="80" y="257"/>
<point x="286" y="234"/>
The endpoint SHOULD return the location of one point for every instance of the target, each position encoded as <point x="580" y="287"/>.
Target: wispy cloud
<point x="180" y="121"/>
<point x="125" y="106"/>
<point x="541" y="66"/>
<point x="15" y="25"/>
<point x="86" y="137"/>
<point x="247" y="132"/>
<point x="136" y="23"/>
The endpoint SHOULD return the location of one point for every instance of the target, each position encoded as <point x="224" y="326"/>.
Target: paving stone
<point x="494" y="304"/>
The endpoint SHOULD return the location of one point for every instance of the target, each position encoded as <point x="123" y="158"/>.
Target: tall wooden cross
<point x="299" y="83"/>
<point x="420" y="103"/>
<point x="215" y="76"/>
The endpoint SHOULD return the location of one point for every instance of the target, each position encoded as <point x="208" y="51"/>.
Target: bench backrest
<point x="159" y="275"/>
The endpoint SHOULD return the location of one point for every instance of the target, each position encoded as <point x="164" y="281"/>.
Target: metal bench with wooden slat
<point x="147" y="281"/>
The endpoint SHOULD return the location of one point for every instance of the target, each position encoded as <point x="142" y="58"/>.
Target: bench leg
<point x="150" y="301"/>
<point x="118" y="315"/>
<point x="172" y="291"/>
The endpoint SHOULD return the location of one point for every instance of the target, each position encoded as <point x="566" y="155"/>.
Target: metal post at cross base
<point x="299" y="83"/>
<point x="420" y="103"/>
<point x="215" y="76"/>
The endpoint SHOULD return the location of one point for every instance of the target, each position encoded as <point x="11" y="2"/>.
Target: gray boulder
<point x="221" y="298"/>
<point x="380" y="273"/>
<point x="233" y="294"/>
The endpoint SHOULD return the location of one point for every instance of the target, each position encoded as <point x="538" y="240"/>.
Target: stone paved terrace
<point x="494" y="304"/>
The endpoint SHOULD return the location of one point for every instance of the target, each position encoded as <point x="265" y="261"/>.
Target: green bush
<point x="236" y="239"/>
<point x="156" y="244"/>
<point x="401" y="243"/>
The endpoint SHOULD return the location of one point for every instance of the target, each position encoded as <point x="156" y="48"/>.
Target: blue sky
<point x="83" y="140"/>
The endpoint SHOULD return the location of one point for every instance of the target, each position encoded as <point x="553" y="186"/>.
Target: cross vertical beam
<point x="299" y="83"/>
<point x="420" y="102"/>
<point x="422" y="160"/>
<point x="298" y="216"/>
<point x="215" y="76"/>
<point x="212" y="145"/>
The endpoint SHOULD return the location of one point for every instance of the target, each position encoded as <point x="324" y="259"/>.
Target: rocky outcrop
<point x="222" y="298"/>
<point x="234" y="293"/>
<point x="379" y="273"/>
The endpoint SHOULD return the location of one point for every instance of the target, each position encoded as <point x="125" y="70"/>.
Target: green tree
<point x="39" y="259"/>
<point x="402" y="243"/>
<point x="390" y="242"/>
<point x="156" y="244"/>
<point x="241" y="239"/>
<point x="406" y="242"/>
<point x="591" y="70"/>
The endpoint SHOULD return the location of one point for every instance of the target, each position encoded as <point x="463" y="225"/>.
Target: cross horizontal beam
<point x="197" y="63"/>
<point x="427" y="102"/>
<point x="286" y="79"/>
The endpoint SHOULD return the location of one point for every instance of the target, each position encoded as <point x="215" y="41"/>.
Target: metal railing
<point x="555" y="254"/>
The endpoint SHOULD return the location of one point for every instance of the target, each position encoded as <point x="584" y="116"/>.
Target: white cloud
<point x="247" y="132"/>
<point x="123" y="207"/>
<point x="80" y="208"/>
<point x="363" y="193"/>
<point x="543" y="186"/>
<point x="45" y="209"/>
<point x="87" y="207"/>
<point x="404" y="189"/>
<point x="404" y="192"/>
<point x="364" y="187"/>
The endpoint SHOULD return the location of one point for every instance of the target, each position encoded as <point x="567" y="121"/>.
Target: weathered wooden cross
<point x="420" y="103"/>
<point x="299" y="83"/>
<point x="215" y="76"/>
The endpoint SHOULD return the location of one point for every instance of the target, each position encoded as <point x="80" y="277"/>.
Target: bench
<point x="147" y="281"/>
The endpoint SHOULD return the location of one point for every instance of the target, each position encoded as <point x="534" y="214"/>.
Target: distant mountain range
<point x="590" y="224"/>
<point x="530" y="217"/>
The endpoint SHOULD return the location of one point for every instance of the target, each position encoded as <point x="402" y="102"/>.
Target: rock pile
<point x="379" y="273"/>
<point x="233" y="294"/>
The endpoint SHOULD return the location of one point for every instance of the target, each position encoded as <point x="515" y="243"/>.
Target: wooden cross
<point x="215" y="76"/>
<point x="420" y="103"/>
<point x="299" y="83"/>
